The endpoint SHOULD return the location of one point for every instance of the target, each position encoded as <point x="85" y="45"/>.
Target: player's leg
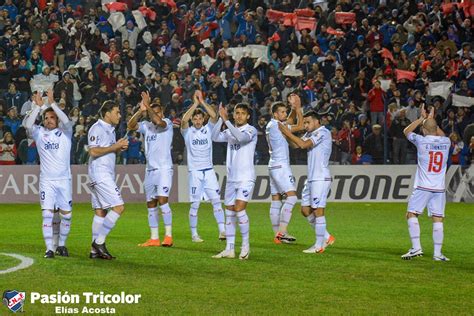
<point x="97" y="221"/>
<point x="110" y="198"/>
<point x="163" y="188"/>
<point x="211" y="187"/>
<point x="275" y="205"/>
<point x="47" y="207"/>
<point x="416" y="204"/>
<point x="230" y="221"/>
<point x="286" y="183"/>
<point x="196" y="183"/>
<point x="244" y="193"/>
<point x="318" y="193"/>
<point x="153" y="218"/>
<point x="436" y="207"/>
<point x="64" y="203"/>
<point x="56" y="227"/>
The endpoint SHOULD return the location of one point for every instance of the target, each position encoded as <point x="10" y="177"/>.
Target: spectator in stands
<point x="373" y="145"/>
<point x="455" y="151"/>
<point x="400" y="142"/>
<point x="7" y="150"/>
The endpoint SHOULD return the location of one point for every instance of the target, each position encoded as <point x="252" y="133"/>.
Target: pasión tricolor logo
<point x="14" y="300"/>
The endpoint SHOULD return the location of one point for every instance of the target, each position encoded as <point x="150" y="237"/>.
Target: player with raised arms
<point x="429" y="189"/>
<point x="106" y="199"/>
<point x="53" y="142"/>
<point x="241" y="141"/>
<point x="201" y="175"/>
<point x="282" y="181"/>
<point x="158" y="134"/>
<point x="317" y="141"/>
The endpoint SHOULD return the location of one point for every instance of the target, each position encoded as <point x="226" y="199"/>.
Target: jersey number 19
<point x="436" y="161"/>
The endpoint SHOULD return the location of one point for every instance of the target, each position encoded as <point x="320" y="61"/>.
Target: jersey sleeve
<point x="34" y="131"/>
<point x="318" y="138"/>
<point x="142" y="127"/>
<point x="95" y="137"/>
<point x="184" y="132"/>
<point x="413" y="138"/>
<point x="169" y="124"/>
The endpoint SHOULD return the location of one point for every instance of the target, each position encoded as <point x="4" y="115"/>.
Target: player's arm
<point x="291" y="117"/>
<point x="439" y="131"/>
<point x="217" y="135"/>
<point x="30" y="118"/>
<point x="155" y="119"/>
<point x="297" y="142"/>
<point x="413" y="125"/>
<point x="241" y="137"/>
<point x="209" y="109"/>
<point x="62" y="117"/>
<point x="295" y="103"/>
<point x="189" y="113"/>
<point x="132" y="124"/>
<point x="120" y="145"/>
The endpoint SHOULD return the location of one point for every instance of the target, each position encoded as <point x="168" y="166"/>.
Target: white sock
<point x="244" y="227"/>
<point x="311" y="219"/>
<point x="414" y="231"/>
<point x="153" y="220"/>
<point x="219" y="215"/>
<point x="65" y="228"/>
<point x="167" y="218"/>
<point x="286" y="212"/>
<point x="48" y="229"/>
<point x="320" y="228"/>
<point x="107" y="226"/>
<point x="438" y="235"/>
<point x="275" y="208"/>
<point x="56" y="228"/>
<point x="230" y="226"/>
<point x="193" y="218"/>
<point x="97" y="223"/>
<point x="326" y="235"/>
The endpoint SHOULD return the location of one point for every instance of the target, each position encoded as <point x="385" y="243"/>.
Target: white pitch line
<point x="25" y="263"/>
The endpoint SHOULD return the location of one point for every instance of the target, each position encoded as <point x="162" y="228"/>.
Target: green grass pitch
<point x="362" y="273"/>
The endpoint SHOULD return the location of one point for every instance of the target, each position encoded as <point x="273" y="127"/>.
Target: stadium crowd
<point x="365" y="66"/>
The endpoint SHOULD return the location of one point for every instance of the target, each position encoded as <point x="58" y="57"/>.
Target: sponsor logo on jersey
<point x="51" y="146"/>
<point x="200" y="142"/>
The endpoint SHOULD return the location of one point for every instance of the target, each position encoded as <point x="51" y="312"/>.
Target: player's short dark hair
<point x="277" y="105"/>
<point x="198" y="112"/>
<point x="243" y="106"/>
<point x="313" y="114"/>
<point x="107" y="106"/>
<point x="158" y="105"/>
<point x="47" y="111"/>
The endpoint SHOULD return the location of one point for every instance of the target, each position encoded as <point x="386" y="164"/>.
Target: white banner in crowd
<point x="440" y="88"/>
<point x="459" y="100"/>
<point x="19" y="184"/>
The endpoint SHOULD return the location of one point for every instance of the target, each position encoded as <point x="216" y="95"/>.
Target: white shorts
<point x="315" y="193"/>
<point x="434" y="201"/>
<point x="105" y="194"/>
<point x="56" y="194"/>
<point x="238" y="191"/>
<point x="281" y="179"/>
<point x="158" y="183"/>
<point x="203" y="184"/>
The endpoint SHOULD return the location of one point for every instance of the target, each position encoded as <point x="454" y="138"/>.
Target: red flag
<point x="275" y="16"/>
<point x="42" y="4"/>
<point x="274" y="38"/>
<point x="147" y="12"/>
<point x="305" y="23"/>
<point x="289" y="19"/>
<point x="337" y="32"/>
<point x="385" y="53"/>
<point x="171" y="4"/>
<point x="305" y="12"/>
<point x="447" y="8"/>
<point x="405" y="74"/>
<point x="345" y="17"/>
<point x="468" y="7"/>
<point x="116" y="6"/>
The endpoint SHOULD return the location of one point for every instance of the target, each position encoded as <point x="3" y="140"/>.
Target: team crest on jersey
<point x="245" y="193"/>
<point x="14" y="300"/>
<point x="166" y="189"/>
<point x="58" y="133"/>
<point x="203" y="130"/>
<point x="316" y="200"/>
<point x="92" y="138"/>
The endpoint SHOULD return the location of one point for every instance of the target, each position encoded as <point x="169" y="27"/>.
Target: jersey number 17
<point x="436" y="161"/>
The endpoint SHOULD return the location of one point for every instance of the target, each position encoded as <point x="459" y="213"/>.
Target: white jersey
<point x="240" y="154"/>
<point x="432" y="152"/>
<point x="54" y="149"/>
<point x="101" y="134"/>
<point x="158" y="143"/>
<point x="199" y="146"/>
<point x="318" y="155"/>
<point x="277" y="145"/>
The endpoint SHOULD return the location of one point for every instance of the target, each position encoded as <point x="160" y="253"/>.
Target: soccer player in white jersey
<point x="201" y="175"/>
<point x="317" y="141"/>
<point x="53" y="141"/>
<point x="106" y="199"/>
<point x="158" y="134"/>
<point x="241" y="141"/>
<point x="429" y="187"/>
<point x="282" y="181"/>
